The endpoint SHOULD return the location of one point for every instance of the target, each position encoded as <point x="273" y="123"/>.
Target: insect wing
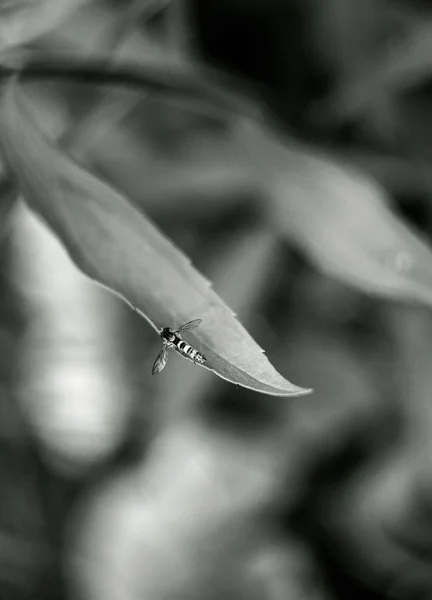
<point x="190" y="325"/>
<point x="160" y="361"/>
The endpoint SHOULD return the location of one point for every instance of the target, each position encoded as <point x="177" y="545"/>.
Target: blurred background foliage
<point x="117" y="485"/>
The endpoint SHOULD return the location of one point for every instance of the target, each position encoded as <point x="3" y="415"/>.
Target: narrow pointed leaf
<point x="341" y="219"/>
<point x="403" y="66"/>
<point x="116" y="245"/>
<point x="254" y="255"/>
<point x="24" y="20"/>
<point x="8" y="198"/>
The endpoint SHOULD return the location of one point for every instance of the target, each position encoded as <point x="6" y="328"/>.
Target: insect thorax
<point x="168" y="334"/>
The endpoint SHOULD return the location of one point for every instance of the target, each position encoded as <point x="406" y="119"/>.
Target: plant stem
<point x="174" y="82"/>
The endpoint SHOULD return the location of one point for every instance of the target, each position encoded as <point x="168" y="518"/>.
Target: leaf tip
<point x="299" y="391"/>
<point x="306" y="391"/>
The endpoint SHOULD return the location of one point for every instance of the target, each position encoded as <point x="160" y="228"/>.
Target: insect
<point x="172" y="338"/>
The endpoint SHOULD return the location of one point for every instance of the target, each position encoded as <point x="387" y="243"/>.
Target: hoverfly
<point x="172" y="338"/>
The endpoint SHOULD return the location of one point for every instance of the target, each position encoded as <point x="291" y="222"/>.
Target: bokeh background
<point x="117" y="485"/>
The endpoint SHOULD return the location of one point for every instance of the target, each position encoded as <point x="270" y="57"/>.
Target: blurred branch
<point x="142" y="10"/>
<point x="398" y="174"/>
<point x="113" y="107"/>
<point x="179" y="28"/>
<point x="178" y="83"/>
<point x="403" y="66"/>
<point x="8" y="197"/>
<point x="23" y="21"/>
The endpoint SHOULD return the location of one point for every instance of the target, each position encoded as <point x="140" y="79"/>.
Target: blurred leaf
<point x="8" y="197"/>
<point x="205" y="173"/>
<point x="354" y="519"/>
<point x="22" y="560"/>
<point x="401" y="176"/>
<point x="137" y="12"/>
<point x="288" y="569"/>
<point x="117" y="246"/>
<point x="347" y="395"/>
<point x="347" y="33"/>
<point x="23" y="20"/>
<point x="181" y="38"/>
<point x="197" y="514"/>
<point x="340" y="218"/>
<point x="206" y="92"/>
<point x="94" y="30"/>
<point x="403" y="66"/>
<point x="190" y="515"/>
<point x="83" y="354"/>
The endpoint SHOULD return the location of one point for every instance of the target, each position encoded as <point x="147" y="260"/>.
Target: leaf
<point x="348" y="33"/>
<point x="254" y="255"/>
<point x="403" y="177"/>
<point x="132" y="15"/>
<point x="96" y="29"/>
<point x="205" y="173"/>
<point x="83" y="353"/>
<point x="117" y="246"/>
<point x="23" y="20"/>
<point x="340" y="218"/>
<point x="8" y="198"/>
<point x="403" y="66"/>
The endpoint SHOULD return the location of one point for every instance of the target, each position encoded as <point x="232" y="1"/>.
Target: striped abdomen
<point x="188" y="351"/>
